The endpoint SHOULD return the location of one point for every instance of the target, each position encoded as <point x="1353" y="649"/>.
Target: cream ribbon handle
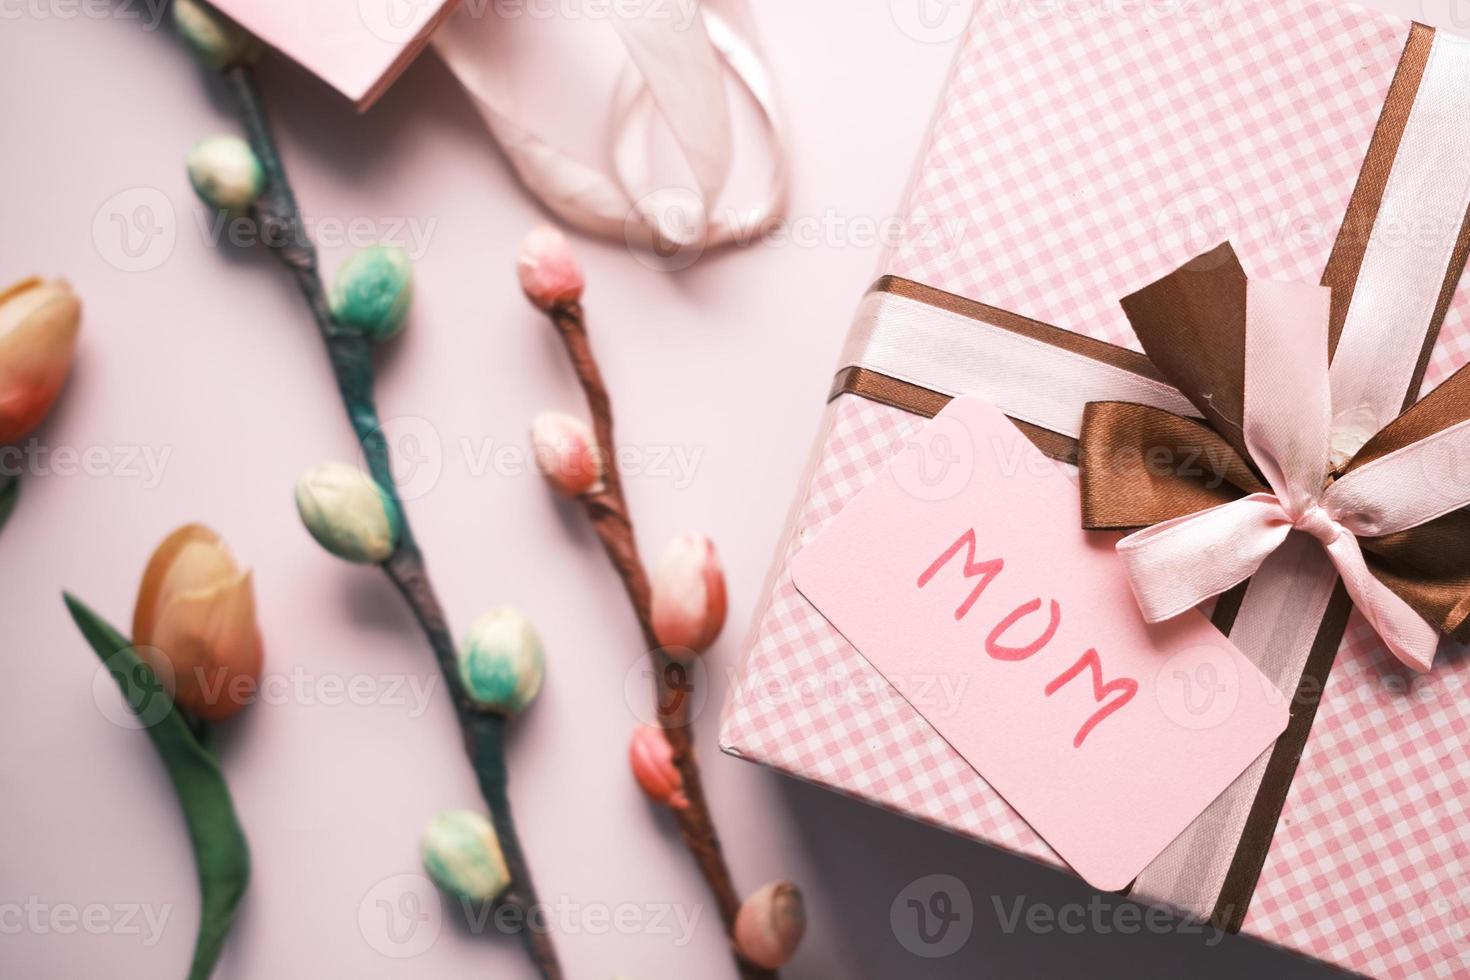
<point x="676" y="68"/>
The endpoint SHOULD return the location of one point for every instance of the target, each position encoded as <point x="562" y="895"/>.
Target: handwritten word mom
<point x="1110" y="695"/>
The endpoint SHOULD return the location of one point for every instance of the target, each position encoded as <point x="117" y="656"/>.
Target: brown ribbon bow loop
<point x="1140" y="466"/>
<point x="1429" y="565"/>
<point x="1192" y="326"/>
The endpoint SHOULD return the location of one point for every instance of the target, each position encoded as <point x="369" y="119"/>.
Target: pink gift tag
<point x="359" y="47"/>
<point x="962" y="570"/>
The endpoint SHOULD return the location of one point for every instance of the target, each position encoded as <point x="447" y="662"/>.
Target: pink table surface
<point x="204" y="358"/>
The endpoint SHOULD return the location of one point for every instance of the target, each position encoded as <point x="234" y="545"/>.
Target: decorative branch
<point x="607" y="509"/>
<point x="266" y="194"/>
<point x="773" y="918"/>
<point x="350" y="352"/>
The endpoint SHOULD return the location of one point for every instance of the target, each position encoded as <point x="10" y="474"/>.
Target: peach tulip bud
<point x="39" y="322"/>
<point x="652" y="759"/>
<point x="194" y="624"/>
<point x="688" y="595"/>
<point x="770" y="925"/>
<point x="548" y="269"/>
<point x="566" y="453"/>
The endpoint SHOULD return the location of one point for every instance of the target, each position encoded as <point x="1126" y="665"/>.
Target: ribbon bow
<point x="1215" y="499"/>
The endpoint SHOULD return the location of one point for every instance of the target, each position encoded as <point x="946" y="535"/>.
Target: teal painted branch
<point x="486" y="735"/>
<point x="221" y="854"/>
<point x="351" y="355"/>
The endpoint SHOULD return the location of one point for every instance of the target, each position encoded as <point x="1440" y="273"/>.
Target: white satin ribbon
<point x="1392" y="305"/>
<point x="677" y="69"/>
<point x="1176" y="565"/>
<point x="1411" y="247"/>
<point x="954" y="354"/>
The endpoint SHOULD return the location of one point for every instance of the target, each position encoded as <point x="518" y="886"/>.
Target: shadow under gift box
<point x="1075" y="158"/>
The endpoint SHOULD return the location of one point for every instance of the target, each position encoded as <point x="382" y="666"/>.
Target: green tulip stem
<point x="9" y="494"/>
<point x="351" y="354"/>
<point x="221" y="854"/>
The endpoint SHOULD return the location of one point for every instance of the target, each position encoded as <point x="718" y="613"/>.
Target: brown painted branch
<point x="351" y="353"/>
<point x="608" y="510"/>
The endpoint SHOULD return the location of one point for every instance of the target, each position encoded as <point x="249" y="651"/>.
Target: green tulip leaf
<point x="220" y="851"/>
<point x="9" y="494"/>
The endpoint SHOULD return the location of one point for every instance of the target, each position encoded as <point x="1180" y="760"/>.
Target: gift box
<point x="1081" y="153"/>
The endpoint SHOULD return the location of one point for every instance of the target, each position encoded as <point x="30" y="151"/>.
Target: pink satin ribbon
<point x="677" y="71"/>
<point x="1289" y="431"/>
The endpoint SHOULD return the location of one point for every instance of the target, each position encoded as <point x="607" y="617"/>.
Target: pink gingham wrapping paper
<point x="1083" y="156"/>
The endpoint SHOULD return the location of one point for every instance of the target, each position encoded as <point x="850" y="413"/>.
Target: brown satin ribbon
<point x="1124" y="488"/>
<point x="921" y="401"/>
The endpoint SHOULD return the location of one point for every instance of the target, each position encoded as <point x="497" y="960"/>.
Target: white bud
<point x="225" y="173"/>
<point x="462" y="854"/>
<point x="348" y="513"/>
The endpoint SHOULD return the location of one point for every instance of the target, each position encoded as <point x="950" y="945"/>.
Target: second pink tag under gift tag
<point x="963" y="567"/>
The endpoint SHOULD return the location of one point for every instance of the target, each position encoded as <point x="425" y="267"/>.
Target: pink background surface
<point x="208" y="356"/>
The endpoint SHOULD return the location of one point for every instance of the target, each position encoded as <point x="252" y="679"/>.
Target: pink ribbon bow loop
<point x="1288" y="428"/>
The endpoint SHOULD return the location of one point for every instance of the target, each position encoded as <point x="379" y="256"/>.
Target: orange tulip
<point x="194" y="624"/>
<point x="39" y="321"/>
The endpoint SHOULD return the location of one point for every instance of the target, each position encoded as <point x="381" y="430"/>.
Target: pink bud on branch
<point x="688" y="594"/>
<point x="770" y="924"/>
<point x="566" y="453"/>
<point x="548" y="269"/>
<point x="651" y="758"/>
